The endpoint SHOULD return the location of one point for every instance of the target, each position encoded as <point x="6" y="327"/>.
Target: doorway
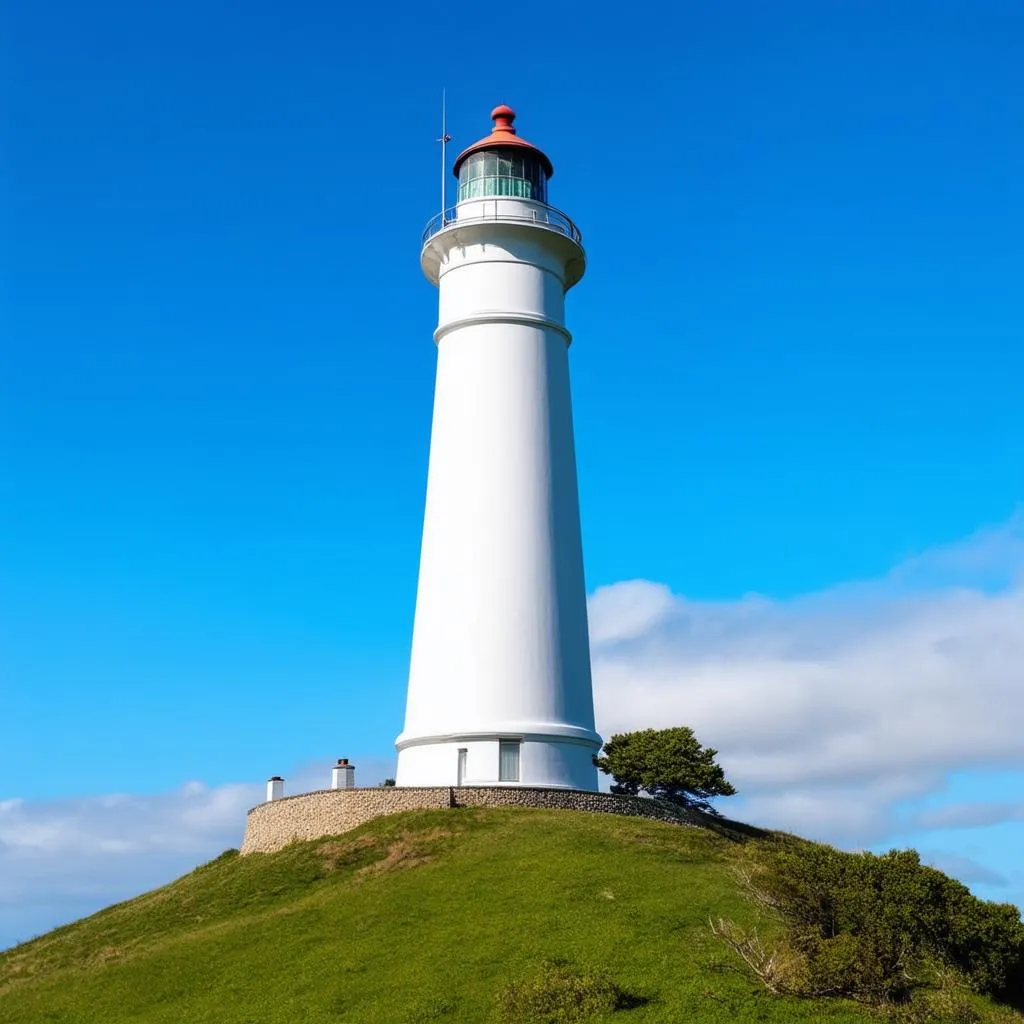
<point x="460" y="775"/>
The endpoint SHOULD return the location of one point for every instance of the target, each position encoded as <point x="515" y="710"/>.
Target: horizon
<point x="794" y="379"/>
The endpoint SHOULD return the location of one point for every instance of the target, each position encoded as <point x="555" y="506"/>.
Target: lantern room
<point x="503" y="164"/>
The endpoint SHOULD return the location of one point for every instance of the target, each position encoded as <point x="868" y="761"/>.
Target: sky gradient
<point x="796" y="382"/>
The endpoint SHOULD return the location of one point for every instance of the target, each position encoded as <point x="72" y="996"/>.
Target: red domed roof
<point x="503" y="134"/>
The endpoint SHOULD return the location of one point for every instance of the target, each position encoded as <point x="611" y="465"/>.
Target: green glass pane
<point x="471" y="168"/>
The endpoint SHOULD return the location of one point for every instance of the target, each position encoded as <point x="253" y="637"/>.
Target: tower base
<point x="500" y="759"/>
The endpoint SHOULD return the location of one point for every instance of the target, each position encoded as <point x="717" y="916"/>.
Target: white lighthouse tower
<point x="500" y="689"/>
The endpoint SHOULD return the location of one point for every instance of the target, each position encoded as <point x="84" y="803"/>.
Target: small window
<point x="508" y="760"/>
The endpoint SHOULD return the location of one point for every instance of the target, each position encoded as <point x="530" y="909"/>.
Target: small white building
<point x="500" y="689"/>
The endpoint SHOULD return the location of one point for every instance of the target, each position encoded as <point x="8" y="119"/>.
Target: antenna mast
<point x="444" y="140"/>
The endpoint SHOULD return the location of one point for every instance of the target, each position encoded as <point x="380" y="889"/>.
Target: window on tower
<point x="508" y="760"/>
<point x="503" y="172"/>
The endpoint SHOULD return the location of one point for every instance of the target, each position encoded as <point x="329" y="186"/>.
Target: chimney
<point x="343" y="775"/>
<point x="275" y="788"/>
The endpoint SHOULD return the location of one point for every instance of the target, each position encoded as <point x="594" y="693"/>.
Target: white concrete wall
<point x="544" y="760"/>
<point x="495" y="207"/>
<point x="500" y="644"/>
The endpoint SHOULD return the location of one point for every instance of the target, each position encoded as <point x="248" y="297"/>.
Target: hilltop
<point x="424" y="916"/>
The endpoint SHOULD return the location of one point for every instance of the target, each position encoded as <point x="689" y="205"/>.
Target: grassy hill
<point x="419" y="917"/>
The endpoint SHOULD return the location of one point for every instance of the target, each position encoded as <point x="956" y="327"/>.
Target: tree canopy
<point x="666" y="763"/>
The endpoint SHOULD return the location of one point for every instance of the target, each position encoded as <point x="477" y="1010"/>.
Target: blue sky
<point x="796" y="374"/>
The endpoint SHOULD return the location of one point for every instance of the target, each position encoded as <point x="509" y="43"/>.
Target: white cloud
<point x="970" y="815"/>
<point x="627" y="610"/>
<point x="183" y="821"/>
<point x="830" y="709"/>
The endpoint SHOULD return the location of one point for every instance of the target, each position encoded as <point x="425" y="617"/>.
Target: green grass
<point x="419" y="917"/>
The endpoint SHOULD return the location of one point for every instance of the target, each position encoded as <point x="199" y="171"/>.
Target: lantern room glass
<point x="503" y="172"/>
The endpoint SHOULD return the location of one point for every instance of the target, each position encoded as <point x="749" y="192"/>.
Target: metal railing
<point x="503" y="208"/>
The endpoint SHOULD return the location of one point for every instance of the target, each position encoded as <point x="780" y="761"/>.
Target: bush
<point x="986" y="942"/>
<point x="947" y="1004"/>
<point x="560" y="993"/>
<point x="876" y="928"/>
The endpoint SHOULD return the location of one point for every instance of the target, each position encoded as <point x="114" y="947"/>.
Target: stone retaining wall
<point x="327" y="812"/>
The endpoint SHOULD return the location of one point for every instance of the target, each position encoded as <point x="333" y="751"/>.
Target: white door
<point x="461" y="774"/>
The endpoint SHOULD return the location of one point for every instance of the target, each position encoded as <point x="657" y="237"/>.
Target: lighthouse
<point x="500" y="690"/>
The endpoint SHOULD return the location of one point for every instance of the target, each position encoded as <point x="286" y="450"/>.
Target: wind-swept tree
<point x="666" y="763"/>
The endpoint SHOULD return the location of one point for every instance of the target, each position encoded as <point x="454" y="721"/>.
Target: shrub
<point x="875" y="928"/>
<point x="986" y="942"/>
<point x="559" y="993"/>
<point x="947" y="1004"/>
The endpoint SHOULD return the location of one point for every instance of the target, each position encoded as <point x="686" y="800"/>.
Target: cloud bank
<point x="831" y="709"/>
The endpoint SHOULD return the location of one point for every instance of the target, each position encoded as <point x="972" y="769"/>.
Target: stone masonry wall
<point x="327" y="812"/>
